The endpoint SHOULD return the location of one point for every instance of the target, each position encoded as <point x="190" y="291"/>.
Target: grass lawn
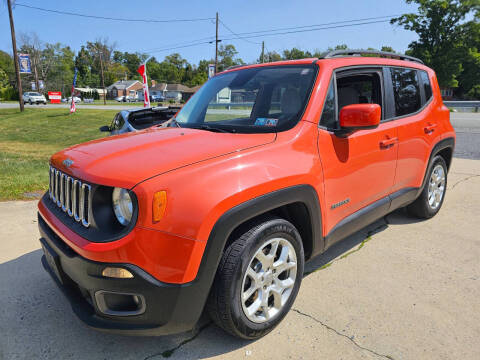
<point x="28" y="139"/>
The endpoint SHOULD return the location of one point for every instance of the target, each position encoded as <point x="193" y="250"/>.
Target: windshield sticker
<point x="266" y="122"/>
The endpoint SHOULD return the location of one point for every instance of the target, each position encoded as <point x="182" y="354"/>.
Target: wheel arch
<point x="443" y="148"/>
<point x="293" y="202"/>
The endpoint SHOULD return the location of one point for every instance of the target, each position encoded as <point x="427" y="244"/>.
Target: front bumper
<point x="168" y="308"/>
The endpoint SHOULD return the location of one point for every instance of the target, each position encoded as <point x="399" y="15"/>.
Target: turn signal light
<point x="115" y="272"/>
<point x="159" y="205"/>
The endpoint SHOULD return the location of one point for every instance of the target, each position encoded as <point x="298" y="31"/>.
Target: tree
<point x="295" y="54"/>
<point x="227" y="55"/>
<point x="387" y="49"/>
<point x="442" y="32"/>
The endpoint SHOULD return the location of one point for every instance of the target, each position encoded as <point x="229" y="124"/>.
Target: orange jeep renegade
<point x="265" y="167"/>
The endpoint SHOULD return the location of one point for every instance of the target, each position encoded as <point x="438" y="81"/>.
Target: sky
<point x="238" y="16"/>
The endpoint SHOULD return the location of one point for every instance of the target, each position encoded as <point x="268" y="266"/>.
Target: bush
<point x="171" y="101"/>
<point x="9" y="93"/>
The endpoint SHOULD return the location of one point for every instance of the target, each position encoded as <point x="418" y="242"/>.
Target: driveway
<point x="399" y="289"/>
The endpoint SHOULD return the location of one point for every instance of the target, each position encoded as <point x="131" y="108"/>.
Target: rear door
<point x="409" y="110"/>
<point x="359" y="169"/>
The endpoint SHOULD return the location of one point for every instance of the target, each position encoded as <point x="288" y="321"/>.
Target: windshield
<point x="34" y="94"/>
<point x="262" y="99"/>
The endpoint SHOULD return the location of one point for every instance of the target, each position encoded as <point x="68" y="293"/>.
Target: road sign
<point x="55" y="97"/>
<point x="211" y="70"/>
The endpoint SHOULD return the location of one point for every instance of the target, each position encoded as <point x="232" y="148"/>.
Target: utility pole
<point x="263" y="52"/>
<point x="15" y="55"/>
<point x="216" y="46"/>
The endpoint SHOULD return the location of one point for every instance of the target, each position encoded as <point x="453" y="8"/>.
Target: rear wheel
<point x="431" y="198"/>
<point x="257" y="279"/>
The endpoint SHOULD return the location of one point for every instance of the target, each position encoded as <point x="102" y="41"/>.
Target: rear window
<point x="406" y="91"/>
<point x="427" y="87"/>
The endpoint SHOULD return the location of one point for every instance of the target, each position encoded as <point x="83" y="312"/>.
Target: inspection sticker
<point x="266" y="122"/>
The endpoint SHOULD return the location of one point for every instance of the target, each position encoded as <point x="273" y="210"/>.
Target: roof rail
<point x="344" y="53"/>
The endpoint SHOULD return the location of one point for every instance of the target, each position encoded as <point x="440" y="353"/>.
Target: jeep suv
<point x="220" y="207"/>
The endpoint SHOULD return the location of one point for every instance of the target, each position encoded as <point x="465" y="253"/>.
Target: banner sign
<point x="55" y="97"/>
<point x="34" y="87"/>
<point x="41" y="84"/>
<point x="142" y="70"/>
<point x="24" y="64"/>
<point x="211" y="70"/>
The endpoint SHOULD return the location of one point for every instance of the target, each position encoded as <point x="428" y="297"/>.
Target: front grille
<point x="71" y="195"/>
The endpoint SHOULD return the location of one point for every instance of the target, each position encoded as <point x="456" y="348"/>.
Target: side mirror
<point x="359" y="117"/>
<point x="105" y="128"/>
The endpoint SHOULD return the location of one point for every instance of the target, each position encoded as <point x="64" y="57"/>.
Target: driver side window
<point x="362" y="87"/>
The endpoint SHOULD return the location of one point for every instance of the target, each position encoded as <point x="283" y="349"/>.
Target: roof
<point x="122" y="84"/>
<point x="173" y="87"/>
<point x="340" y="61"/>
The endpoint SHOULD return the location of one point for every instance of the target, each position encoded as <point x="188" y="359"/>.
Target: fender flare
<point x="243" y="212"/>
<point x="439" y="146"/>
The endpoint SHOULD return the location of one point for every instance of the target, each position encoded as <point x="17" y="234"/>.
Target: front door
<point x="359" y="169"/>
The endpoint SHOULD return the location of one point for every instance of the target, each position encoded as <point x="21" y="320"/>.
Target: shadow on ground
<point x="36" y="321"/>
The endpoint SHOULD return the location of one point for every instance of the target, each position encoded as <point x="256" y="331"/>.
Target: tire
<point x="225" y="305"/>
<point x="30" y="102"/>
<point x="431" y="198"/>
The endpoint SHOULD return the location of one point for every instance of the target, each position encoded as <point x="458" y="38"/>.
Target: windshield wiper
<point x="213" y="129"/>
<point x="169" y="122"/>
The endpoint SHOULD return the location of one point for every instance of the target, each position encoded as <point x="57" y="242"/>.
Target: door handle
<point x="429" y="128"/>
<point x="385" y="144"/>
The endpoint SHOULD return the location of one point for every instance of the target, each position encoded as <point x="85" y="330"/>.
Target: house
<point x="124" y="88"/>
<point x="176" y="92"/>
<point x="447" y="93"/>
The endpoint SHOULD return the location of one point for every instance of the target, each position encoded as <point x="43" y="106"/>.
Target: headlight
<point x="122" y="205"/>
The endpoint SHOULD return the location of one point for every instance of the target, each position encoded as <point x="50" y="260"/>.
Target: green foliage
<point x="443" y="35"/>
<point x="295" y="54"/>
<point x="29" y="138"/>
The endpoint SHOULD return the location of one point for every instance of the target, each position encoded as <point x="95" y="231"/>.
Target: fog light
<point x="115" y="272"/>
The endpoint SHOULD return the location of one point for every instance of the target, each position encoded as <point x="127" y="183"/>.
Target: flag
<point x="72" y="107"/>
<point x="142" y="70"/>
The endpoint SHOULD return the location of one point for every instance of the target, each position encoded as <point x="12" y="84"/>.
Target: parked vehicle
<point x="221" y="209"/>
<point x="34" y="98"/>
<point x="157" y="98"/>
<point x="75" y="98"/>
<point x="125" y="99"/>
<point x="139" y="119"/>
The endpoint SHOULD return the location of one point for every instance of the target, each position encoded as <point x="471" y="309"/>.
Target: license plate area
<point x="53" y="261"/>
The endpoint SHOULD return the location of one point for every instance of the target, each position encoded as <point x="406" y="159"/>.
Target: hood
<point x="125" y="160"/>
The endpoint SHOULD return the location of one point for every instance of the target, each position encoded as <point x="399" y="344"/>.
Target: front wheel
<point x="258" y="279"/>
<point x="431" y="198"/>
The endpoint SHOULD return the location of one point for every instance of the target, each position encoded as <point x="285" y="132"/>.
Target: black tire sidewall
<point x="270" y="230"/>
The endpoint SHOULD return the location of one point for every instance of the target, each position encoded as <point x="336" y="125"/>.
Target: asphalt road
<point x="467" y="127"/>
<point x="398" y="289"/>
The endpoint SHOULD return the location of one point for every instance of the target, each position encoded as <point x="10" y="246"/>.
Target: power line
<point x="109" y="18"/>
<point x="316" y="25"/>
<point x="308" y="30"/>
<point x="237" y="35"/>
<point x="278" y="33"/>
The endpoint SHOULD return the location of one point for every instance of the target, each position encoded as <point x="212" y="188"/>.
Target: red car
<point x="265" y="167"/>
